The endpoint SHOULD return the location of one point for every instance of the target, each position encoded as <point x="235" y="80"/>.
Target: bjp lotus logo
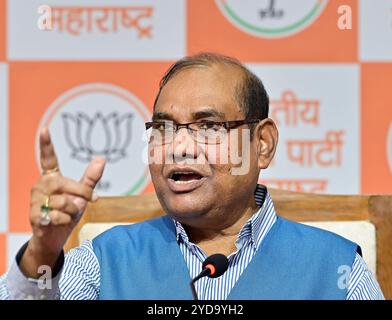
<point x="100" y="119"/>
<point x="389" y="147"/>
<point x="98" y="135"/>
<point x="271" y="18"/>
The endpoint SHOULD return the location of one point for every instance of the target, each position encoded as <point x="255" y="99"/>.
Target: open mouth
<point x="185" y="177"/>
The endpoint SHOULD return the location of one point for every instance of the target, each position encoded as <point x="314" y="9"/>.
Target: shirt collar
<point x="253" y="229"/>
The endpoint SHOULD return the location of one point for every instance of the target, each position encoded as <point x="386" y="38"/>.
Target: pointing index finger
<point x="48" y="156"/>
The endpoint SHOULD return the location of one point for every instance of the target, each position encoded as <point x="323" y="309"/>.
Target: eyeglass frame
<point x="227" y="125"/>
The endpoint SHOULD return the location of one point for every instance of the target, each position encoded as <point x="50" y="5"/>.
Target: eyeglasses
<point x="205" y="132"/>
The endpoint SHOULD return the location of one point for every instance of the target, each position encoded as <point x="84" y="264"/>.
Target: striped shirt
<point x="80" y="277"/>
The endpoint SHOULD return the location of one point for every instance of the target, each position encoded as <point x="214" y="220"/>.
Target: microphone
<point x="214" y="266"/>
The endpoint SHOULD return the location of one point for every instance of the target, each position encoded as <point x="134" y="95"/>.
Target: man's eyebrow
<point x="208" y="113"/>
<point x="205" y="113"/>
<point x="161" y="116"/>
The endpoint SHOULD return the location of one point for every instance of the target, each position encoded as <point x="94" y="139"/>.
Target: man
<point x="209" y="108"/>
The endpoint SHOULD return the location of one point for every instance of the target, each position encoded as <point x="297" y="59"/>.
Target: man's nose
<point x="184" y="146"/>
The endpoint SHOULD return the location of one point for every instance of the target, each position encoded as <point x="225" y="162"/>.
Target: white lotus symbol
<point x="99" y="135"/>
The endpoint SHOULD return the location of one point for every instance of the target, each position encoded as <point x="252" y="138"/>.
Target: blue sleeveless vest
<point x="294" y="261"/>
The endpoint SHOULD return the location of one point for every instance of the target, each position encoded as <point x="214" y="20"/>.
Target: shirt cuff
<point x="21" y="287"/>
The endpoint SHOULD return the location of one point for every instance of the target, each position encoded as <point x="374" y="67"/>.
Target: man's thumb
<point x="90" y="177"/>
<point x="93" y="172"/>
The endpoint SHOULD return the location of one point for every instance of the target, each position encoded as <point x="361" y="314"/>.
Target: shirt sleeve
<point x="362" y="284"/>
<point x="79" y="278"/>
<point x="4" y="295"/>
<point x="14" y="285"/>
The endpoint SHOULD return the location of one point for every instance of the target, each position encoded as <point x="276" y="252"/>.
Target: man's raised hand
<point x="56" y="206"/>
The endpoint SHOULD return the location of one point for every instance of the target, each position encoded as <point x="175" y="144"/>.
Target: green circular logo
<point x="271" y="18"/>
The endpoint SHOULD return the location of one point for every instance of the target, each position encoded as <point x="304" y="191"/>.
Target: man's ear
<point x="266" y="135"/>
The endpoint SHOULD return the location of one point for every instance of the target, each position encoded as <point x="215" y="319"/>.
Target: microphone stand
<point x="202" y="274"/>
<point x="194" y="293"/>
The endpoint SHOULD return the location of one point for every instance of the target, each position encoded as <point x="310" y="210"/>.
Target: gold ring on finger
<point x="49" y="171"/>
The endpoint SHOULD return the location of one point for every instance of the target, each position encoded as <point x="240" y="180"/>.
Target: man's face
<point x="193" y="180"/>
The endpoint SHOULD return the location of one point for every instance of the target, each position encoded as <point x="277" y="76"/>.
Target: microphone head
<point x="217" y="263"/>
